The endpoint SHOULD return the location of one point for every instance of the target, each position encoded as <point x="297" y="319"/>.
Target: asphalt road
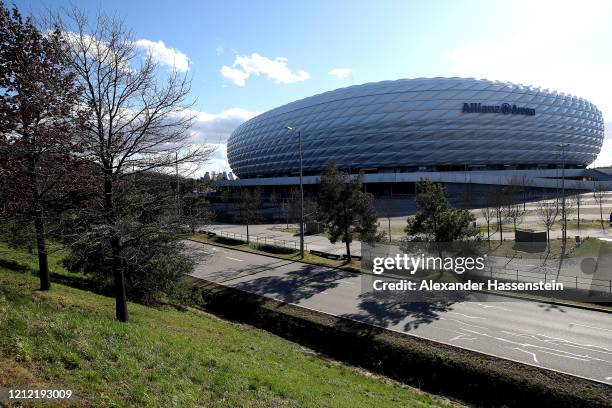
<point x="566" y="339"/>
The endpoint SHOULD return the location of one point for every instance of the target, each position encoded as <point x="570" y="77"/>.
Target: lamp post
<point x="563" y="212"/>
<point x="299" y="132"/>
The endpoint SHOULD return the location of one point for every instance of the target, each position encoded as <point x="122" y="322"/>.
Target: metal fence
<point x="261" y="240"/>
<point x="575" y="282"/>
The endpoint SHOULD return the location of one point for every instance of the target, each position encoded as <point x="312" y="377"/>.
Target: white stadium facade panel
<point x="416" y="124"/>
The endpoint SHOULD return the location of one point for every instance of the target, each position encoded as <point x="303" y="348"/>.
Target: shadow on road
<point x="294" y="286"/>
<point x="403" y="310"/>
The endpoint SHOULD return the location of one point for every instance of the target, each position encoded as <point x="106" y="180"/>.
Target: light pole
<point x="563" y="212"/>
<point x="299" y="132"/>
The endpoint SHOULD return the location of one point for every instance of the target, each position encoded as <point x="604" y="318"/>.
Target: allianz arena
<point x="417" y="125"/>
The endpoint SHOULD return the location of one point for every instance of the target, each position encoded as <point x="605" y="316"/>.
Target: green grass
<point x="588" y="247"/>
<point x="291" y="255"/>
<point x="29" y="261"/>
<point x="68" y="338"/>
<point x="572" y="225"/>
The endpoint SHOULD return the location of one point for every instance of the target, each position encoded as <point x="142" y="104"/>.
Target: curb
<point x="271" y="255"/>
<point x="513" y="296"/>
<point x="552" y="302"/>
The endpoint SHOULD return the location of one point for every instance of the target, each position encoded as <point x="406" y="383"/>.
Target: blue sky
<point x="250" y="56"/>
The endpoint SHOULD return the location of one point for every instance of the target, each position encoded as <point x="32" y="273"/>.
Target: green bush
<point x="228" y="241"/>
<point x="273" y="249"/>
<point x="153" y="270"/>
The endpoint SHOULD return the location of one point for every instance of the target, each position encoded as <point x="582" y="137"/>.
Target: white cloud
<point x="537" y="52"/>
<point x="237" y="76"/>
<point x="171" y="57"/>
<point x="341" y="73"/>
<point x="276" y="70"/>
<point x="605" y="156"/>
<point x="211" y="128"/>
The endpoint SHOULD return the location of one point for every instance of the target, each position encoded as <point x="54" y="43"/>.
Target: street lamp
<point x="291" y="129"/>
<point x="563" y="212"/>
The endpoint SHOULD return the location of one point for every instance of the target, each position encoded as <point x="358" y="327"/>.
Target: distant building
<point x="458" y="131"/>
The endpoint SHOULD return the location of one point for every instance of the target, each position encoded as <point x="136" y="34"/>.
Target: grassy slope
<point x="68" y="338"/>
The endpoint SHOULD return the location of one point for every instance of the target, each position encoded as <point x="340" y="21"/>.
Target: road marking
<point x="493" y="307"/>
<point x="235" y="259"/>
<point x="462" y="336"/>
<point x="590" y="327"/>
<point x="535" y="359"/>
<point x="543" y="349"/>
<point x="465" y="323"/>
<point x="468" y="316"/>
<point x="580" y="358"/>
<point x="561" y="341"/>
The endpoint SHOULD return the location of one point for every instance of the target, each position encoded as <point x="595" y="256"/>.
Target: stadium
<point x="458" y="131"/>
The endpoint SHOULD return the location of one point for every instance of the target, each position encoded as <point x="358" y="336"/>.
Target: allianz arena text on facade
<point x="421" y="124"/>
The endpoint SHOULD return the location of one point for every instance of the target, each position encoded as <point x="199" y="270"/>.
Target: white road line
<point x="492" y="307"/>
<point x="590" y="327"/>
<point x="560" y="341"/>
<point x="565" y="355"/>
<point x="535" y="359"/>
<point x="462" y="336"/>
<point x="235" y="259"/>
<point x="467" y="316"/>
<point x="543" y="349"/>
<point x="466" y="323"/>
<point x="412" y="334"/>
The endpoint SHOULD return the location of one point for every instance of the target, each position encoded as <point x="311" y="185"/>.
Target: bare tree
<point x="548" y="213"/>
<point x="570" y="208"/>
<point x="488" y="213"/>
<point x="578" y="202"/>
<point x="195" y="211"/>
<point x="387" y="209"/>
<point x="290" y="206"/>
<point x="311" y="210"/>
<point x="496" y="199"/>
<point x="599" y="195"/>
<point x="250" y="207"/>
<point x="514" y="213"/>
<point x="138" y="123"/>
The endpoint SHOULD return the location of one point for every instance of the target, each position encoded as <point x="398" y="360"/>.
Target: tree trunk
<point x="348" y="251"/>
<point x="39" y="226"/>
<point x="601" y="214"/>
<point x="488" y="231"/>
<point x="43" y="264"/>
<point x="578" y="205"/>
<point x="121" y="311"/>
<point x="247" y="232"/>
<point x="389" y="229"/>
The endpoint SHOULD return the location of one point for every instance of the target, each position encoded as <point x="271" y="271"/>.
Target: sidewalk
<point x="265" y="231"/>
